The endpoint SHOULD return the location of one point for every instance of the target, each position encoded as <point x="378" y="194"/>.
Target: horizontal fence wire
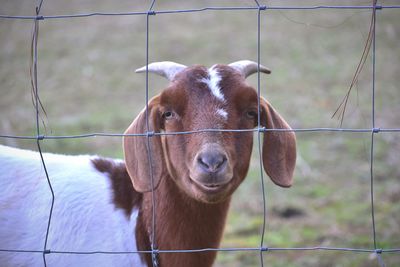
<point x="238" y="249"/>
<point x="145" y="134"/>
<point x="161" y="12"/>
<point x="149" y="134"/>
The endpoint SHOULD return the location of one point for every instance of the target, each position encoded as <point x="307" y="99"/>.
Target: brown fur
<point x="187" y="215"/>
<point x="190" y="227"/>
<point x="181" y="223"/>
<point x="125" y="196"/>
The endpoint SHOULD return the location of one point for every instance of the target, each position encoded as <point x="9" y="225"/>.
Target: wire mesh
<point x="259" y="11"/>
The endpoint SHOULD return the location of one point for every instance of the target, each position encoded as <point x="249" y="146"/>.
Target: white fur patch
<point x="221" y="112"/>
<point x="212" y="82"/>
<point x="84" y="216"/>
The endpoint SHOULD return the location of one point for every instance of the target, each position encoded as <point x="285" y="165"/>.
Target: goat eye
<point x="251" y="114"/>
<point x="168" y="115"/>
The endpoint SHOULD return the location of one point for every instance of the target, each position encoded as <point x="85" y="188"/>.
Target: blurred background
<point x="87" y="84"/>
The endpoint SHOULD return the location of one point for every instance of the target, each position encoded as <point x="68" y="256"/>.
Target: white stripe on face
<point x="221" y="112"/>
<point x="212" y="82"/>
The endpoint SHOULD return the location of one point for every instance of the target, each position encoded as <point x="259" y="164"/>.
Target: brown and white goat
<point x="106" y="205"/>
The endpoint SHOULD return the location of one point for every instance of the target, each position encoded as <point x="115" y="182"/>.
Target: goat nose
<point x="211" y="162"/>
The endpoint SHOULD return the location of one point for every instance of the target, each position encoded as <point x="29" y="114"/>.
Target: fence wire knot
<point x="40" y="137"/>
<point x="150" y="134"/>
<point x="154" y="257"/>
<point x="376" y="130"/>
<point x="262" y="7"/>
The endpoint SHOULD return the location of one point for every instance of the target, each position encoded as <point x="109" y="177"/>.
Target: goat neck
<point x="185" y="224"/>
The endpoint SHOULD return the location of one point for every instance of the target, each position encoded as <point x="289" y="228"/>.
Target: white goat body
<point x="84" y="218"/>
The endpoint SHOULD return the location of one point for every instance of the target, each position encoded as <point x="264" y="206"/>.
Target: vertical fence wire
<point x="37" y="103"/>
<point x="380" y="260"/>
<point x="259" y="138"/>
<point x="150" y="134"/>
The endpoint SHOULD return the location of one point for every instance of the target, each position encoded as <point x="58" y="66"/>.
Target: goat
<point x="106" y="205"/>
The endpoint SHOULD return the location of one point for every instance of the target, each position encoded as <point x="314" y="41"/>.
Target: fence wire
<point x="259" y="9"/>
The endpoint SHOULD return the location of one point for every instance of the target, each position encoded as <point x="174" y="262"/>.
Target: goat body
<point x="107" y="205"/>
<point x="84" y="216"/>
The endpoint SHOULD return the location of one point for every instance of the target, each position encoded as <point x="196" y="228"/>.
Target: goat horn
<point x="247" y="67"/>
<point x="166" y="69"/>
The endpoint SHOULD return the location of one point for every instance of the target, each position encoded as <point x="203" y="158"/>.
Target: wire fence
<point x="259" y="9"/>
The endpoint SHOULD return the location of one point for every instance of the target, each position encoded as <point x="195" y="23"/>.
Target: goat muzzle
<point x="211" y="168"/>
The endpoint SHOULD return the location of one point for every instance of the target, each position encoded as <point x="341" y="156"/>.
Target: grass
<point x="87" y="84"/>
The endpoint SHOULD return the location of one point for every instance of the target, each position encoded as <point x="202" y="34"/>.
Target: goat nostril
<point x="202" y="163"/>
<point x="221" y="162"/>
<point x="211" y="162"/>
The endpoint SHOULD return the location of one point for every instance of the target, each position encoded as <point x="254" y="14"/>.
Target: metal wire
<point x="233" y="249"/>
<point x="255" y="130"/>
<point x="153" y="243"/>
<point x="149" y="134"/>
<point x="373" y="134"/>
<point x="232" y="8"/>
<point x="264" y="198"/>
<point x="35" y="89"/>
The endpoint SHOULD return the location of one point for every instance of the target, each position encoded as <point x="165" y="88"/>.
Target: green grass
<point x="87" y="84"/>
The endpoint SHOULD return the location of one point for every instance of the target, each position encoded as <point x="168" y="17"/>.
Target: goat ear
<point x="279" y="147"/>
<point x="136" y="149"/>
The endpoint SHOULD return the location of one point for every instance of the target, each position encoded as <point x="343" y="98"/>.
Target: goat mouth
<point x="209" y="188"/>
